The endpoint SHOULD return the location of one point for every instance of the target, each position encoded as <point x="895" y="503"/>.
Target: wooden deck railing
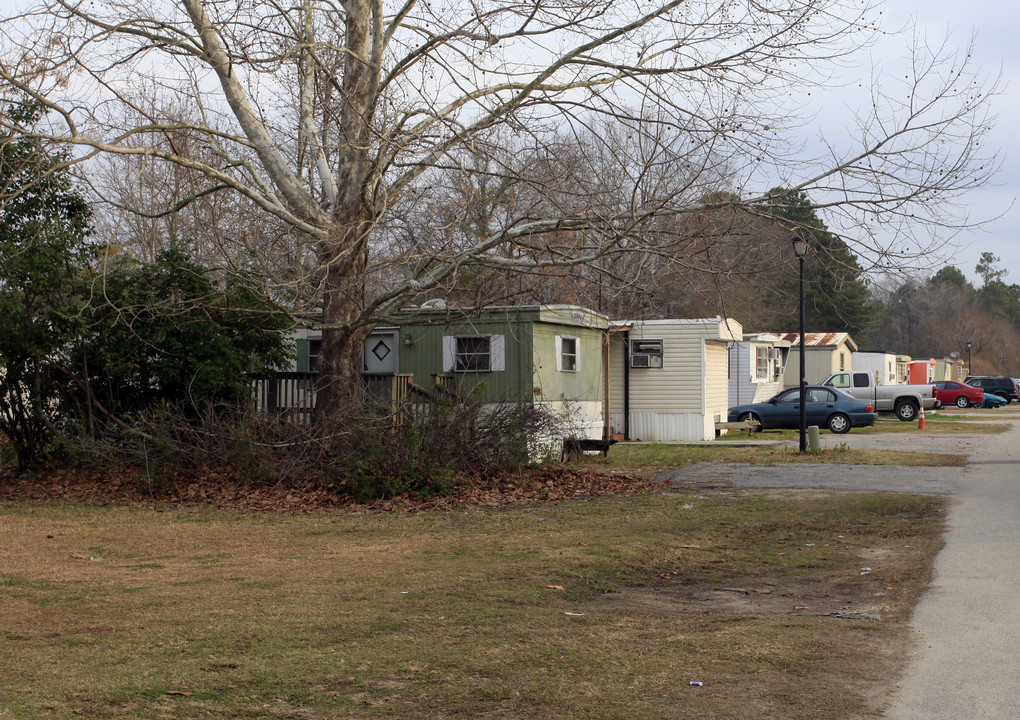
<point x="388" y="389"/>
<point x="292" y="394"/>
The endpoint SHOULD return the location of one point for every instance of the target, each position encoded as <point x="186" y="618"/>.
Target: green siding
<point x="529" y="352"/>
<point x="424" y="357"/>
<point x="585" y="384"/>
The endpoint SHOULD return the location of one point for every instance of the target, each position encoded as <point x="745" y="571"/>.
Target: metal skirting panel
<point x="616" y="422"/>
<point x="581" y="419"/>
<point x="667" y="427"/>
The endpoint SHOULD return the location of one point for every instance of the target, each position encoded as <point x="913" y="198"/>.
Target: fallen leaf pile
<point x="219" y="488"/>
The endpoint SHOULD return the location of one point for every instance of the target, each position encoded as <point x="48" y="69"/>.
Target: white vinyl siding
<point x="676" y="387"/>
<point x="682" y="400"/>
<point x="617" y="358"/>
<point x="744" y="386"/>
<point x="882" y="366"/>
<point x="670" y="427"/>
<point x="580" y="419"/>
<point x="716" y="390"/>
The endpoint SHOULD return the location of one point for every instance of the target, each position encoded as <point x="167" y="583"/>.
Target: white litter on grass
<point x="574" y="614"/>
<point x="865" y="571"/>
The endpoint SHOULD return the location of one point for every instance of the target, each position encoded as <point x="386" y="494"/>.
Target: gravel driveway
<point x="828" y="476"/>
<point x="821" y="476"/>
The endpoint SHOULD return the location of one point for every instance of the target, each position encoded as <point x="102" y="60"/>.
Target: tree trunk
<point x="340" y="385"/>
<point x="343" y="259"/>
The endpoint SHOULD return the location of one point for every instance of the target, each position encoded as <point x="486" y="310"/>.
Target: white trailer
<point x="881" y="365"/>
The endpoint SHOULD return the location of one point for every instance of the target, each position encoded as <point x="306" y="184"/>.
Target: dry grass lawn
<point x="602" y="608"/>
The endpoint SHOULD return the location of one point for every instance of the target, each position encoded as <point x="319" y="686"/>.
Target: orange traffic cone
<point x="921" y="425"/>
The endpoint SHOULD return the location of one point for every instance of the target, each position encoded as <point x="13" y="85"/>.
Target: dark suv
<point x="996" y="385"/>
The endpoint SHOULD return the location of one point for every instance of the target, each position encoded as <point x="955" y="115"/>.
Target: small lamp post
<point x="970" y="368"/>
<point x="800" y="248"/>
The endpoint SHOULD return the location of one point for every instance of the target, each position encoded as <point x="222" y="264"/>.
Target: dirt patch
<point x="859" y="609"/>
<point x="877" y="643"/>
<point x="834" y="597"/>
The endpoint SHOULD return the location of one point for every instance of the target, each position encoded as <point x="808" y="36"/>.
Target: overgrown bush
<point x="43" y="228"/>
<point x="163" y="333"/>
<point x="422" y="449"/>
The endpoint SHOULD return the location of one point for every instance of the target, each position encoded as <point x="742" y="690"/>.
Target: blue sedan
<point x="826" y="407"/>
<point x="993" y="401"/>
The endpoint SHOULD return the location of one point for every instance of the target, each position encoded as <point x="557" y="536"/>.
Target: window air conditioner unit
<point x="645" y="361"/>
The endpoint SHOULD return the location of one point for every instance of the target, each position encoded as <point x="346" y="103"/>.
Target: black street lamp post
<point x="970" y="368"/>
<point x="800" y="248"/>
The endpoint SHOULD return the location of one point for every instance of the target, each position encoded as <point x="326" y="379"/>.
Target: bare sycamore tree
<point x="540" y="135"/>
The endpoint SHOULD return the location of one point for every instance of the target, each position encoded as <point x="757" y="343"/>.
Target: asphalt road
<point x="965" y="666"/>
<point x="969" y="620"/>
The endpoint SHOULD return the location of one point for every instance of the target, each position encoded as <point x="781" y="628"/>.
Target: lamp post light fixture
<point x="800" y="248"/>
<point x="970" y="368"/>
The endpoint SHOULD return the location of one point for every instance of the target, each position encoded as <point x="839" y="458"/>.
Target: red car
<point x="948" y="392"/>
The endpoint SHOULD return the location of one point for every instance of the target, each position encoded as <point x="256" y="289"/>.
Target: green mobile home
<point x="549" y="355"/>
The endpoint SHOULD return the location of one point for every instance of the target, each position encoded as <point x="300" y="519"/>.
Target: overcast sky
<point x="995" y="24"/>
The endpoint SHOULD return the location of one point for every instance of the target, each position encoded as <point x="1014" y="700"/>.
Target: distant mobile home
<point x="950" y="368"/>
<point x="824" y="354"/>
<point x="757" y="367"/>
<point x="903" y="369"/>
<point x="921" y="371"/>
<point x="669" y="378"/>
<point x="880" y="363"/>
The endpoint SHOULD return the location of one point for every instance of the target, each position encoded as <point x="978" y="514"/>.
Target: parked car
<point x="995" y="384"/>
<point x="826" y="407"/>
<point x="950" y="392"/>
<point x="994" y="401"/>
<point x="904" y="400"/>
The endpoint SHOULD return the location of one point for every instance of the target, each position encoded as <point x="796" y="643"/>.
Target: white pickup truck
<point x="904" y="400"/>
